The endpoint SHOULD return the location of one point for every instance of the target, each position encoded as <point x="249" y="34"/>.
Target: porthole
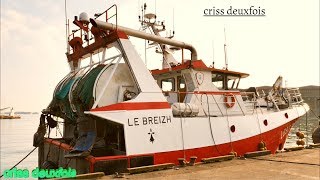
<point x="232" y="128"/>
<point x="265" y="122"/>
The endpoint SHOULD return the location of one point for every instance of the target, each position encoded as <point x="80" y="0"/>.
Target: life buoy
<point x="226" y="100"/>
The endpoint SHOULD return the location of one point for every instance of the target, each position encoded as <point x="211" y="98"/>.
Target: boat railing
<point x="103" y="61"/>
<point x="261" y="93"/>
<point x="254" y="98"/>
<point x="75" y="33"/>
<point x="247" y="103"/>
<point x="293" y="95"/>
<point x="110" y="15"/>
<point x="215" y="105"/>
<point x="250" y="101"/>
<point x="239" y="110"/>
<point x="210" y="104"/>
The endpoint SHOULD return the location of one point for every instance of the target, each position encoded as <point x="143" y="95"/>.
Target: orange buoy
<point x="226" y="100"/>
<point x="300" y="142"/>
<point x="300" y="135"/>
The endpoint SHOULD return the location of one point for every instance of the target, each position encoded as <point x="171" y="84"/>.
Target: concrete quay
<point x="301" y="164"/>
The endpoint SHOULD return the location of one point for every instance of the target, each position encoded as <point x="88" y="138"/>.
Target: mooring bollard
<point x="182" y="161"/>
<point x="192" y="160"/>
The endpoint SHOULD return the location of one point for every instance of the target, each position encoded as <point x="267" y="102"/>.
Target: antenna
<point x="155" y="7"/>
<point x="67" y="24"/>
<point x="139" y="10"/>
<point x="145" y="41"/>
<point x="173" y="21"/>
<point x="212" y="53"/>
<point x="145" y="52"/>
<point x="225" y="49"/>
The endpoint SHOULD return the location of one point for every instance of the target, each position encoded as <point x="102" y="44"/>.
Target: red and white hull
<point x="184" y="137"/>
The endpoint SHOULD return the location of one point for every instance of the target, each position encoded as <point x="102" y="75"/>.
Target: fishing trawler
<point x="117" y="114"/>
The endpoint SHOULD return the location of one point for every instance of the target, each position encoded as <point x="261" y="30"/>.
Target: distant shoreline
<point x="21" y="112"/>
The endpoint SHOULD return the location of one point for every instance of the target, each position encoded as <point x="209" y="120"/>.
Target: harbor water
<point x="17" y="139"/>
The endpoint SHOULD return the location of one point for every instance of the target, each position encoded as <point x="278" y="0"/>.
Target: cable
<point x="261" y="139"/>
<point x="306" y="125"/>
<point x="181" y="126"/>
<point x="21" y="160"/>
<point x="318" y="117"/>
<point x="59" y="131"/>
<point x="231" y="144"/>
<point x="215" y="145"/>
<point x="67" y="163"/>
<point x="285" y="161"/>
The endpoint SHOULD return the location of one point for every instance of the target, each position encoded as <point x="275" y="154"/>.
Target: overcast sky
<point x="284" y="42"/>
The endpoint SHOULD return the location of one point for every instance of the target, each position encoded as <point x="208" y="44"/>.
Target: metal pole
<point x="225" y="49"/>
<point x="143" y="35"/>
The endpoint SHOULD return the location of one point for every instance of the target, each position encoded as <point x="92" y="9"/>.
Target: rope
<point x="21" y="160"/>
<point x="215" y="145"/>
<point x="307" y="124"/>
<point x="59" y="153"/>
<point x="260" y="135"/>
<point x="318" y="117"/>
<point x="285" y="161"/>
<point x="67" y="164"/>
<point x="48" y="150"/>
<point x="58" y="128"/>
<point x="182" y="134"/>
<point x="49" y="131"/>
<point x="231" y="144"/>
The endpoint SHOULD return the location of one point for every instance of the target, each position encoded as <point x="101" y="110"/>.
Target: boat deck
<point x="303" y="164"/>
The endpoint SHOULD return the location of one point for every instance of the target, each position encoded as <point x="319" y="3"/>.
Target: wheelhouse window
<point x="233" y="82"/>
<point x="217" y="80"/>
<point x="182" y="88"/>
<point x="182" y="84"/>
<point x="224" y="81"/>
<point x="168" y="84"/>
